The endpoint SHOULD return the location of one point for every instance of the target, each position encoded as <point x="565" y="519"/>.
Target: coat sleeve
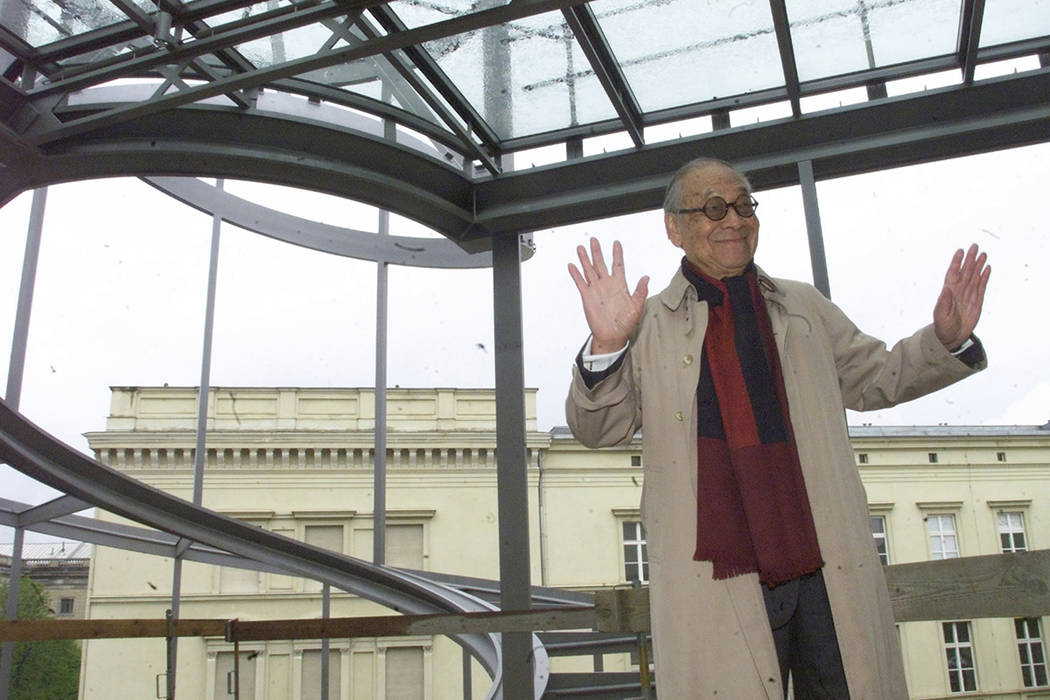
<point x="609" y="413"/>
<point x="872" y="376"/>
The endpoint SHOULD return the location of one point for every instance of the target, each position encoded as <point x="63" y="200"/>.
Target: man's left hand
<point x="959" y="305"/>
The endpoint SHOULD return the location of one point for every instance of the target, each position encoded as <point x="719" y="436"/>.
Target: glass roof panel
<point x="285" y="46"/>
<point x="524" y="77"/>
<point x="127" y="49"/>
<point x="832" y="37"/>
<point x="1013" y="20"/>
<point x="676" y="52"/>
<point x="417" y="13"/>
<point x="40" y="22"/>
<point x="240" y="13"/>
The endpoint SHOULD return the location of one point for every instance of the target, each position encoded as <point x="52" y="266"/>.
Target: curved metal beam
<point x="218" y="141"/>
<point x="288" y="150"/>
<point x="347" y="242"/>
<point x="37" y="454"/>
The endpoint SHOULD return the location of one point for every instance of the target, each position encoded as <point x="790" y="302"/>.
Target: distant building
<point x="299" y="462"/>
<point x="60" y="567"/>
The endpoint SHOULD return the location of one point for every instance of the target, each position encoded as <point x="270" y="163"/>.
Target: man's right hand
<point x="611" y="310"/>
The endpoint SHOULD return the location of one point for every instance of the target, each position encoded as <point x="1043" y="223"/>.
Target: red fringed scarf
<point x="753" y="512"/>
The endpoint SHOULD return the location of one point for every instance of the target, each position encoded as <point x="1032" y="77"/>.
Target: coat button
<point x="678" y="415"/>
<point x="687" y="360"/>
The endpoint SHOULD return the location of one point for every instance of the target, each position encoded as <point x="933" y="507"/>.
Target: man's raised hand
<point x="959" y="305"/>
<point x="611" y="310"/>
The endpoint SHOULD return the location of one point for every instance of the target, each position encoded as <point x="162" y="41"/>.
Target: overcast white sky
<point x="123" y="269"/>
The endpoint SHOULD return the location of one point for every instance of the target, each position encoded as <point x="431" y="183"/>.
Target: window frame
<point x="1030" y="670"/>
<point x="955" y="648"/>
<point x="1020" y="506"/>
<point x="624" y="517"/>
<point x="882" y="511"/>
<point x="940" y="509"/>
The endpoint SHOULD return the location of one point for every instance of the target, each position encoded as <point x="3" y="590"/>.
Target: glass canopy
<point x="523" y="73"/>
<point x="466" y="85"/>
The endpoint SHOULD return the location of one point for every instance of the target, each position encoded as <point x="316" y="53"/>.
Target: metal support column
<point x="468" y="685"/>
<point x="16" y="368"/>
<point x="17" y="364"/>
<point x="817" y="259"/>
<point x="326" y="612"/>
<point x="379" y="475"/>
<point x="201" y="453"/>
<point x="511" y="464"/>
<point x="379" y="461"/>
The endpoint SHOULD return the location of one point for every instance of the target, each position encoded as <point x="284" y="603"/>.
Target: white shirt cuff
<point x="597" y="363"/>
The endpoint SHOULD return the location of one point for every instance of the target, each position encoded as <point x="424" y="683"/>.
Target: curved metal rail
<point x="37" y="454"/>
<point x="410" y="251"/>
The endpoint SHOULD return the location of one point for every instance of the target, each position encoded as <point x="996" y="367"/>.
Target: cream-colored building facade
<point x="299" y="462"/>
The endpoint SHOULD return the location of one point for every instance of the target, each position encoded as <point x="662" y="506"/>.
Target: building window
<point x="636" y="460"/>
<point x="1033" y="655"/>
<point x="862" y="458"/>
<point x="958" y="652"/>
<point x="635" y="552"/>
<point x="944" y="543"/>
<point x="878" y="532"/>
<point x="65" y="606"/>
<point x="1011" y="532"/>
<point x="1000" y="456"/>
<point x="932" y="456"/>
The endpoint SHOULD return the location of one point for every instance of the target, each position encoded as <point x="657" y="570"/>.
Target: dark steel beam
<point x="15" y="45"/>
<point x="949" y="122"/>
<point x="221" y="142"/>
<point x="969" y="39"/>
<point x="814" y="231"/>
<point x="592" y="41"/>
<point x="378" y="108"/>
<point x="512" y="483"/>
<point x="56" y="508"/>
<point x="787" y="54"/>
<point x="991" y="114"/>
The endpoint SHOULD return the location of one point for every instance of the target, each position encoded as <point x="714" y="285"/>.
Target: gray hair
<point x="673" y="195"/>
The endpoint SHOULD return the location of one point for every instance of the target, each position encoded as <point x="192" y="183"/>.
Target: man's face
<point x="719" y="248"/>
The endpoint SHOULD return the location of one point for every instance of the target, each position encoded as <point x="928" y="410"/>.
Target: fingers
<point x="641" y="291"/>
<point x="599" y="259"/>
<point x="593" y="266"/>
<point x="581" y="283"/>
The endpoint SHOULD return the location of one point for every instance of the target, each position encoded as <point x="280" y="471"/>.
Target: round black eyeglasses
<point x="716" y="208"/>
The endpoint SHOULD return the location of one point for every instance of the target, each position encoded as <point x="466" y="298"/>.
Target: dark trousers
<point x="804" y="633"/>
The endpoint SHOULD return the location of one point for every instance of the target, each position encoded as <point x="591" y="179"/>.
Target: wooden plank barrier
<point x="997" y="585"/>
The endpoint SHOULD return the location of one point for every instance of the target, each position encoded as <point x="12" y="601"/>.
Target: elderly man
<point x="762" y="564"/>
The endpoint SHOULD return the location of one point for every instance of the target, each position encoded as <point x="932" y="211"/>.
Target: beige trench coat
<point x="712" y="638"/>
